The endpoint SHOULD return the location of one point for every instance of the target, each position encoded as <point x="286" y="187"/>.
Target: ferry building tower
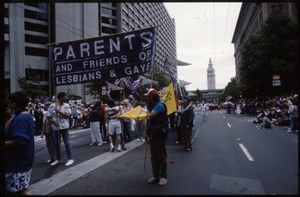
<point x="211" y="80"/>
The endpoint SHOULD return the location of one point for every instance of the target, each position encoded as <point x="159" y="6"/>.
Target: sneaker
<point x="124" y="148"/>
<point x="152" y="180"/>
<point x="143" y="140"/>
<point x="99" y="144"/>
<point x="55" y="163"/>
<point x="188" y="149"/>
<point x="70" y="162"/>
<point x="162" y="181"/>
<point x="50" y="160"/>
<point x="289" y="131"/>
<point x="112" y="148"/>
<point x="119" y="148"/>
<point x="92" y="144"/>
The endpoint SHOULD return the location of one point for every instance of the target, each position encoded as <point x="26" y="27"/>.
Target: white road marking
<point x="246" y="152"/>
<point x="195" y="135"/>
<point x="228" y="124"/>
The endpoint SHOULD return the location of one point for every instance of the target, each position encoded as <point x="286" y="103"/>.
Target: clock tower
<point x="211" y="80"/>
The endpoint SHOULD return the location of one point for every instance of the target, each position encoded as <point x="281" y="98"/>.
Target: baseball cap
<point x="151" y="92"/>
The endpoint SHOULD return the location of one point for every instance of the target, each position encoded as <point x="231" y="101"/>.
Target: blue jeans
<point x="66" y="139"/>
<point x="293" y="123"/>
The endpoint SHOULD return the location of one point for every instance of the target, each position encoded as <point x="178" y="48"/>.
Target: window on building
<point x="36" y="51"/>
<point x="34" y="74"/>
<point x="6" y="12"/>
<point x="109" y="21"/>
<point x="110" y="4"/>
<point x="108" y="11"/>
<point x="36" y="39"/>
<point x="36" y="15"/>
<point x="109" y="30"/>
<point x="36" y="27"/>
<point x="42" y="6"/>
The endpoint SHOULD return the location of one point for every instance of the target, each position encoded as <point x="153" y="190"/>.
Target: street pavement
<point x="230" y="156"/>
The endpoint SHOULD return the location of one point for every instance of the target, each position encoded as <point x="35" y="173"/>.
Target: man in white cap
<point x="157" y="129"/>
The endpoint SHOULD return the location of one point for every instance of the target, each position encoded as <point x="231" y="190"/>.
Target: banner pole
<point x="56" y="102"/>
<point x="145" y="155"/>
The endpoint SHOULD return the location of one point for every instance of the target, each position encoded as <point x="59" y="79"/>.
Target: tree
<point x="32" y="86"/>
<point x="272" y="51"/>
<point x="231" y="90"/>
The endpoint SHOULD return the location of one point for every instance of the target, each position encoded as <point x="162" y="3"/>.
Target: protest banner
<point x="103" y="58"/>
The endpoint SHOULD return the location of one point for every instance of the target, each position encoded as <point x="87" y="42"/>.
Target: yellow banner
<point x="137" y="113"/>
<point x="168" y="97"/>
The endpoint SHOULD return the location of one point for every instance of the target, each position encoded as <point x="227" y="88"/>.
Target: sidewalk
<point x="48" y="185"/>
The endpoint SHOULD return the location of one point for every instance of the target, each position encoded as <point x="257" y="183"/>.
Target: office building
<point x="251" y="16"/>
<point x="29" y="27"/>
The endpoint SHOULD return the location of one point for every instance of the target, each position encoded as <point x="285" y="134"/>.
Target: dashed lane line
<point x="246" y="152"/>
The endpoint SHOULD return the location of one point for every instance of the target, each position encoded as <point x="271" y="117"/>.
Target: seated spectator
<point x="259" y="118"/>
<point x="266" y="122"/>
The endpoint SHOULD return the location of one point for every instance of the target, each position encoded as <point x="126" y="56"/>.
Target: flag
<point x="137" y="113"/>
<point x="170" y="67"/>
<point x="168" y="97"/>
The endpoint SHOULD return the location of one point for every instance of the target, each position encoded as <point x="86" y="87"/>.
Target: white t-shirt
<point x="63" y="122"/>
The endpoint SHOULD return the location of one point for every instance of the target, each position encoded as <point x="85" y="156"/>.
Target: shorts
<point x="114" y="126"/>
<point x="17" y="181"/>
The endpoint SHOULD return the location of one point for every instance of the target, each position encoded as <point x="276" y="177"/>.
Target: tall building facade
<point x="211" y="77"/>
<point x="29" y="27"/>
<point x="251" y="16"/>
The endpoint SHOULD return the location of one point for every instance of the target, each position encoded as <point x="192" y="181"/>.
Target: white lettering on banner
<point x="57" y="51"/>
<point x="70" y="53"/>
<point x="129" y="40"/>
<point x="97" y="63"/>
<point x="63" y="68"/>
<point x="97" y="46"/>
<point x="146" y="39"/>
<point x="114" y="46"/>
<point x="137" y="69"/>
<point x="84" y="47"/>
<point x="82" y="77"/>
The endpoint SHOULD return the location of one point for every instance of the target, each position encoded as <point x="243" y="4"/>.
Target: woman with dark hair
<point x="19" y="146"/>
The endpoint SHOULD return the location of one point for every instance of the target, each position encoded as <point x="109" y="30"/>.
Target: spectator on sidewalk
<point x="266" y="122"/>
<point x="58" y="114"/>
<point x="293" y="111"/>
<point x="94" y="118"/>
<point x="48" y="133"/>
<point x="141" y="124"/>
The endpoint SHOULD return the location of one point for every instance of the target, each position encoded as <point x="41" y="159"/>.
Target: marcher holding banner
<point x="157" y="125"/>
<point x="58" y="114"/>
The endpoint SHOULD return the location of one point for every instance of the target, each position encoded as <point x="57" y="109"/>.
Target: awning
<point x="176" y="62"/>
<point x="183" y="83"/>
